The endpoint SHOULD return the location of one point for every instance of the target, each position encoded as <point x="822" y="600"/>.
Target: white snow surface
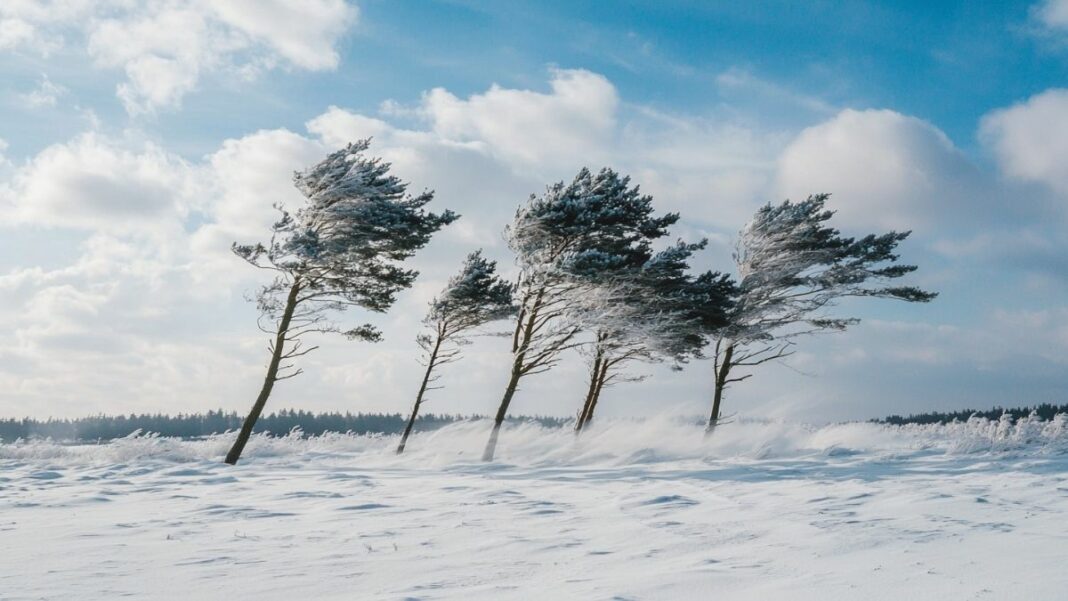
<point x="631" y="510"/>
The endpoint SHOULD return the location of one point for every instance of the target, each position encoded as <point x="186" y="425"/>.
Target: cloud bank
<point x="149" y="314"/>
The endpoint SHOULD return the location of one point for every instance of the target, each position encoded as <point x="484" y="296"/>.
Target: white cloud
<point x="166" y="46"/>
<point x="95" y="183"/>
<point x="572" y="124"/>
<point x="17" y="33"/>
<point x="884" y="170"/>
<point x="1030" y="139"/>
<point x="303" y="32"/>
<point x="1053" y="13"/>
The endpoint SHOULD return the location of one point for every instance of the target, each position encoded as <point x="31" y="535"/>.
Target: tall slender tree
<point x="344" y="247"/>
<point x="792" y="266"/>
<point x="472" y="298"/>
<point x="654" y="313"/>
<point x="596" y="220"/>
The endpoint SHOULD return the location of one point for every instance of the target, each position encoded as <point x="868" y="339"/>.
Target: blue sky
<point x="140" y="138"/>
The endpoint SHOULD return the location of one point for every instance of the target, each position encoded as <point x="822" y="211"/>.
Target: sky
<point x="140" y="138"/>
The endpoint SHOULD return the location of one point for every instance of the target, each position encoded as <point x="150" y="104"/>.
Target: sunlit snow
<point x="631" y="510"/>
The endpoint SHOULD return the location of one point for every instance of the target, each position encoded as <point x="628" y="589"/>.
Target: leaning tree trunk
<point x="272" y="376"/>
<point x="596" y="384"/>
<point x="601" y="377"/>
<point x="502" y="412"/>
<point x="721" y="383"/>
<point x="523" y="333"/>
<point x="419" y="397"/>
<point x="595" y="371"/>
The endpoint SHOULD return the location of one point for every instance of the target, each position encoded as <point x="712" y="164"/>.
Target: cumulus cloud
<point x="571" y="124"/>
<point x="95" y="183"/>
<point x="1030" y="139"/>
<point x="884" y="170"/>
<point x="165" y="47"/>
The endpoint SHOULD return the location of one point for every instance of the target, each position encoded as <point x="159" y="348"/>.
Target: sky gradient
<point x="139" y="139"/>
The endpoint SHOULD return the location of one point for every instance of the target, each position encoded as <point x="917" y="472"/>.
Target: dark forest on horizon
<point x="197" y="425"/>
<point x="281" y="423"/>
<point x="1046" y="411"/>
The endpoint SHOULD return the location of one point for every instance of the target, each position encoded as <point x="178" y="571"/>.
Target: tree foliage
<point x="568" y="241"/>
<point x="474" y="297"/>
<point x="344" y="247"/>
<point x="655" y="312"/>
<point x="792" y="267"/>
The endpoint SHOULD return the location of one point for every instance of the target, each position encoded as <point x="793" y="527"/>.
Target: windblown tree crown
<point x="792" y="265"/>
<point x="569" y="242"/>
<point x="593" y="225"/>
<point x="659" y="310"/>
<point x="655" y="312"/>
<point x="686" y="309"/>
<point x="346" y="244"/>
<point x="472" y="298"/>
<point x="475" y="296"/>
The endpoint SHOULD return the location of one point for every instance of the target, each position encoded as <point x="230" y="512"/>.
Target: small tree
<point x="472" y="298"/>
<point x="655" y="313"/>
<point x="791" y="267"/>
<point x="342" y="248"/>
<point x="596" y="219"/>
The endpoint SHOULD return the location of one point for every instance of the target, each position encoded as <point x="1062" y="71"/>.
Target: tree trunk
<point x="594" y="373"/>
<point x="601" y="377"/>
<point x="419" y="397"/>
<point x="502" y="411"/>
<point x="524" y="329"/>
<point x="721" y="383"/>
<point x="272" y="376"/>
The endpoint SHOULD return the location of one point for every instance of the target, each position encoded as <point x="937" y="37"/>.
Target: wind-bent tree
<point x="472" y="298"/>
<point x="597" y="224"/>
<point x="657" y="312"/>
<point x="342" y="248"/>
<point x="791" y="266"/>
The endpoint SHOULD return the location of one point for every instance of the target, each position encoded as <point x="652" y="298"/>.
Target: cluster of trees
<point x="1046" y="411"/>
<point x="198" y="425"/>
<point x="590" y="282"/>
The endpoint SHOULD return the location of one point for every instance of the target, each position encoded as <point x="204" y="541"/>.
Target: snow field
<point x="631" y="510"/>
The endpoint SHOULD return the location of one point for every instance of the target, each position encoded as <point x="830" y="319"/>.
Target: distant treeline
<point x="195" y="425"/>
<point x="1046" y="411"/>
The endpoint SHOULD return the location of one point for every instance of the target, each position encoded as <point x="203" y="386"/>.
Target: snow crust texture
<point x="629" y="511"/>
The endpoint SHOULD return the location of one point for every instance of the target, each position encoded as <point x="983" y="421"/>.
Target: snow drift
<point x="608" y="443"/>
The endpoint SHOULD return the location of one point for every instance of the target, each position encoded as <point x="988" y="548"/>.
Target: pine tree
<point x="792" y="266"/>
<point x="472" y="298"/>
<point x="656" y="312"/>
<point x="343" y="248"/>
<point x="566" y="241"/>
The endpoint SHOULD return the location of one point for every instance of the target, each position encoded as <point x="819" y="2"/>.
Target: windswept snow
<point x="630" y="510"/>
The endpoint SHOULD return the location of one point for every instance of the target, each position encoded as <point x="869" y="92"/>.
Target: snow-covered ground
<point x="630" y="511"/>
